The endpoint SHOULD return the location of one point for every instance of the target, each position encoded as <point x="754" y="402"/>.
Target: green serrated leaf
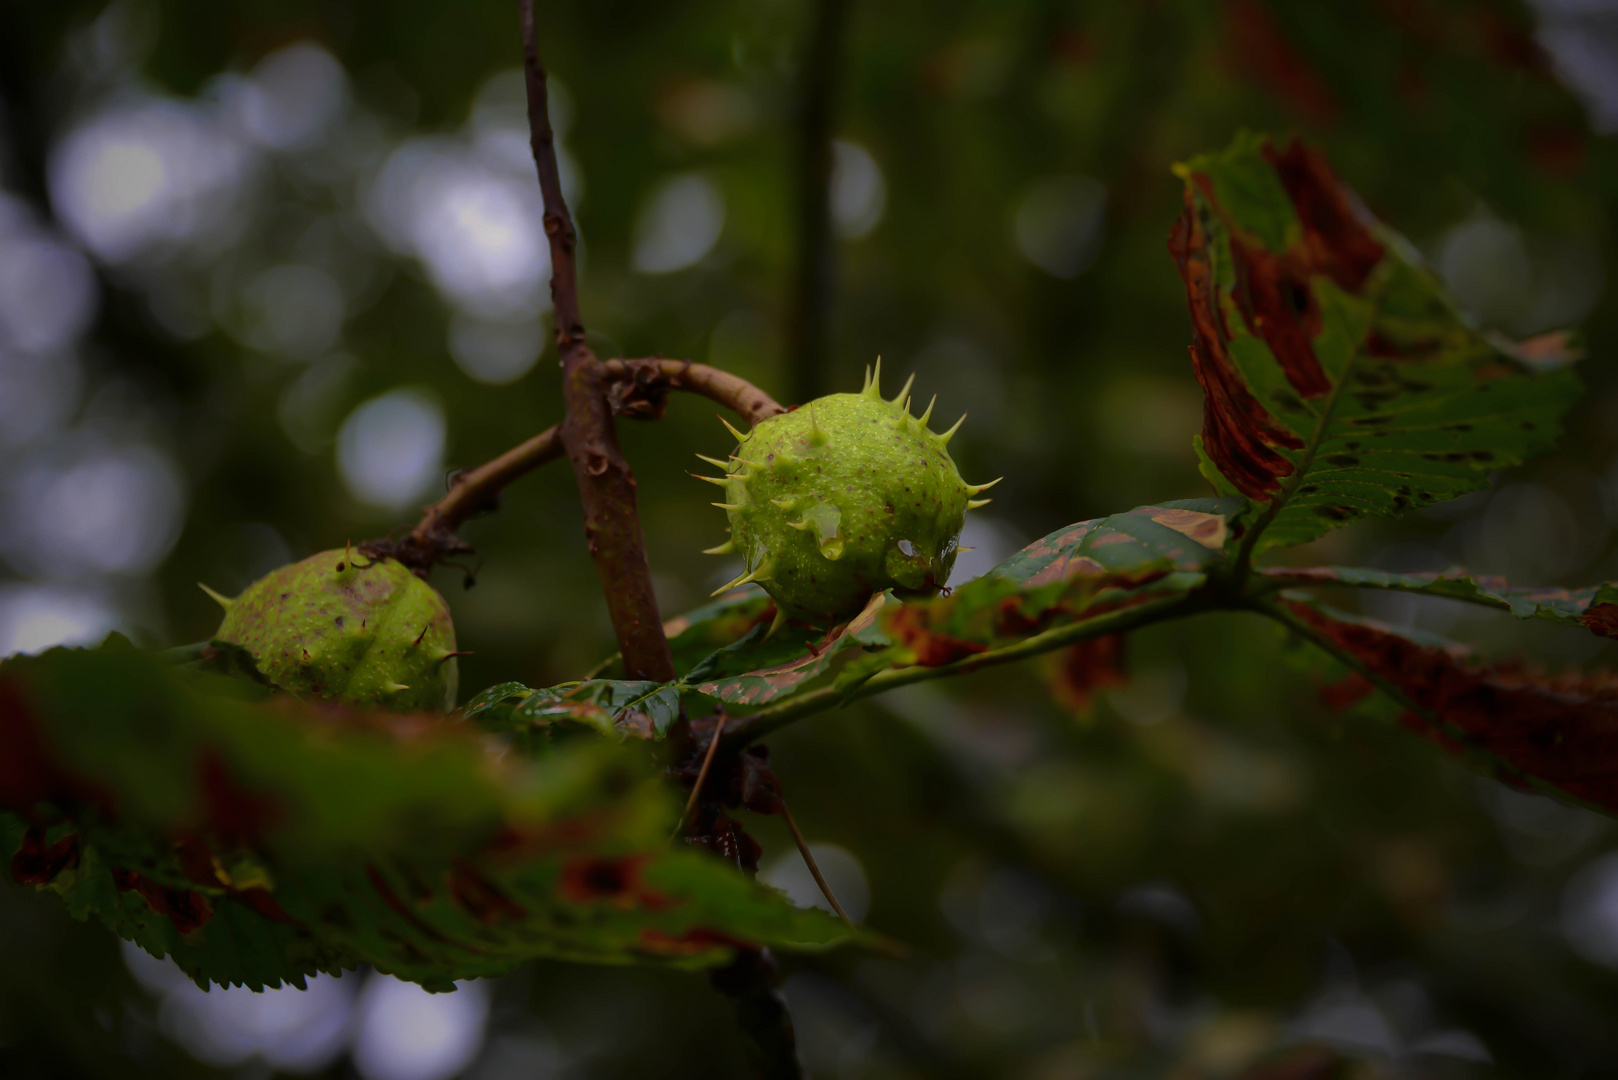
<point x="1149" y="554"/>
<point x="260" y="843"/>
<point x="1341" y="381"/>
<point x="1188" y="534"/>
<point x="644" y="709"/>
<point x="694" y="636"/>
<point x="758" y="670"/>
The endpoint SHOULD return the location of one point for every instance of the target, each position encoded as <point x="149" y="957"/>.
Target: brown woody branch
<point x="640" y="388"/>
<point x="635" y="388"/>
<point x="472" y="492"/>
<point x="606" y="484"/>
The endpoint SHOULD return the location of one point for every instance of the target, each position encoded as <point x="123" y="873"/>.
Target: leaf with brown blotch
<point x="1088" y="569"/>
<point x="696" y="634"/>
<point x="1339" y="378"/>
<point x="259" y="842"/>
<point x="1527" y="728"/>
<point x="767" y="667"/>
<point x="1189" y="535"/>
<point x="1084" y="669"/>
<point x="1084" y="571"/>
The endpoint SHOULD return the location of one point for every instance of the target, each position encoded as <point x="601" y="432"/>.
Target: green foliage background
<point x="1169" y="885"/>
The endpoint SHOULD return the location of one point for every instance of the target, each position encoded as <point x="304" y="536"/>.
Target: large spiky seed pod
<point x="841" y="498"/>
<point x="341" y="626"/>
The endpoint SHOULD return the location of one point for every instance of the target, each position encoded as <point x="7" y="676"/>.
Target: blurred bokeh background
<point x="270" y="269"/>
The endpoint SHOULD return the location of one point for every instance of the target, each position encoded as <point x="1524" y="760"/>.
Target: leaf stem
<point x="809" y="861"/>
<point x="702" y="774"/>
<point x="1341" y="655"/>
<point x="1244" y="554"/>
<point x="754" y="726"/>
<point x="1275" y="579"/>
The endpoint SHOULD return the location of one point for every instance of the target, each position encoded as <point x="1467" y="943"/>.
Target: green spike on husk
<point x="218" y="598"/>
<point x="733" y="583"/>
<point x="760" y="574"/>
<point x="732" y="429"/>
<point x="946" y="436"/>
<point x="726" y="548"/>
<point x="817" y="437"/>
<point x="873" y="388"/>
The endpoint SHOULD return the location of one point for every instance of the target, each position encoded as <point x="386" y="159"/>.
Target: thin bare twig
<point x="809" y="860"/>
<point x="635" y="388"/>
<point x="477" y="489"/>
<point x="702" y="775"/>
<point x="606" y="484"/>
<point x="640" y="387"/>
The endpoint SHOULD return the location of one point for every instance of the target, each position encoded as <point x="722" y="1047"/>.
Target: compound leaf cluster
<point x="260" y="841"/>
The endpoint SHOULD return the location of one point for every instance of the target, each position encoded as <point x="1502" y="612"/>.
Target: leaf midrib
<point x="1289" y="487"/>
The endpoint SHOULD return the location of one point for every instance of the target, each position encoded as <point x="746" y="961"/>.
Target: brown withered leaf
<point x="1528" y="728"/>
<point x="1082" y="670"/>
<point x="1339" y="378"/>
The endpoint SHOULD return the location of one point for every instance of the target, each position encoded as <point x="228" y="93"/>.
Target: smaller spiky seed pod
<point x="341" y="626"/>
<point x="841" y="498"/>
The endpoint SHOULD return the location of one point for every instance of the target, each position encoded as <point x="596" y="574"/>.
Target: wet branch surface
<point x="606" y="484"/>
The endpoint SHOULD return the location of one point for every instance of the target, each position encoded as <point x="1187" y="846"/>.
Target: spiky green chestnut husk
<point x="344" y="627"/>
<point x="842" y="498"/>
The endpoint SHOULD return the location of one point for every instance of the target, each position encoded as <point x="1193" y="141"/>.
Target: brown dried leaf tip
<point x="1531" y="728"/>
<point x="1081" y="671"/>
<point x="1272" y="296"/>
